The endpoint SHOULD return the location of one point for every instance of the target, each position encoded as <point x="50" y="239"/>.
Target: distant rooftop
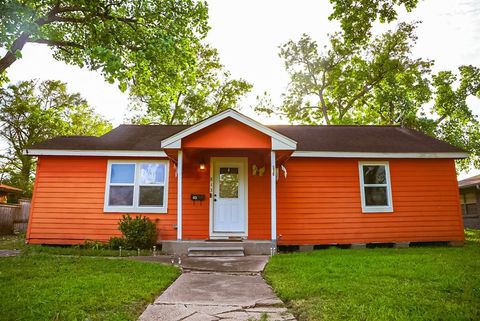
<point x="468" y="182"/>
<point x="9" y="189"/>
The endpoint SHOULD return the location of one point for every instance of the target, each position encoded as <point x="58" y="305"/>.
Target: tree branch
<point x="174" y="113"/>
<point x="442" y="118"/>
<point x="57" y="43"/>
<point x="10" y="57"/>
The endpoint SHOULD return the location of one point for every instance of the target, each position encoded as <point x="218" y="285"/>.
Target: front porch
<point x="218" y="248"/>
<point x="226" y="173"/>
<point x="226" y="203"/>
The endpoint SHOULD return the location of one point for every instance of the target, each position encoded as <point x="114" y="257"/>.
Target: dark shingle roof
<point x="124" y="137"/>
<point x="375" y="139"/>
<point x="471" y="181"/>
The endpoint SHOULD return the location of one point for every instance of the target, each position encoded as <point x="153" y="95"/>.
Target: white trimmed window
<point x="137" y="186"/>
<point x="375" y="187"/>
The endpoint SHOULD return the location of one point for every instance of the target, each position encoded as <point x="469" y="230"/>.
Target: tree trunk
<point x="10" y="56"/>
<point x="324" y="109"/>
<point x="25" y="173"/>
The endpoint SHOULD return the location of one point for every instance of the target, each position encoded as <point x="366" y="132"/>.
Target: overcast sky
<point x="247" y="34"/>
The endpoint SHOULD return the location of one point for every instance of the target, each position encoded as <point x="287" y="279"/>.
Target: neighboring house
<point x="6" y="191"/>
<point x="230" y="177"/>
<point x="470" y="200"/>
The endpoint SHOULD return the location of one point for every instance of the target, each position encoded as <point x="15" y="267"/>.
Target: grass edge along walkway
<point x="50" y="287"/>
<point x="423" y="283"/>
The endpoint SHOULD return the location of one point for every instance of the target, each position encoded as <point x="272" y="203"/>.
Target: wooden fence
<point x="14" y="217"/>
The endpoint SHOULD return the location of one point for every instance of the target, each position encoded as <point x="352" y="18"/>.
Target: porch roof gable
<point x="279" y="141"/>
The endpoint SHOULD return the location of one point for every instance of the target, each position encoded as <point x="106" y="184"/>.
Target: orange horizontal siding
<point x="319" y="203"/>
<point x="68" y="200"/>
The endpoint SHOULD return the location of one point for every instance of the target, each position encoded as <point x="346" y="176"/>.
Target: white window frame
<point x="388" y="185"/>
<point x="135" y="208"/>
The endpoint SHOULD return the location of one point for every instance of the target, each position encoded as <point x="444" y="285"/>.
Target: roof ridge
<point x="146" y="125"/>
<point x="321" y="125"/>
<point x="75" y="136"/>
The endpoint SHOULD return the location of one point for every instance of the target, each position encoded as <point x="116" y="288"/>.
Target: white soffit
<point x="377" y="155"/>
<point x="67" y="152"/>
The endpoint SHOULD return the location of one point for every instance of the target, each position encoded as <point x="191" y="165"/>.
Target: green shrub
<point x="114" y="243"/>
<point x="93" y="245"/>
<point x="139" y="232"/>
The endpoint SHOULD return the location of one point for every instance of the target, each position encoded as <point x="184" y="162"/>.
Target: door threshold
<point x="226" y="239"/>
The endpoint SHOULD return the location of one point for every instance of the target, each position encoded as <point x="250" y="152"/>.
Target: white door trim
<point x="213" y="160"/>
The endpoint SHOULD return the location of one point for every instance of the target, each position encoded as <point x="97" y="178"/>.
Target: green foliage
<point x="32" y="112"/>
<point x="379" y="82"/>
<point x="212" y="92"/>
<point x="12" y="242"/>
<point x="150" y="44"/>
<point x="139" y="232"/>
<point x="115" y="243"/>
<point x="357" y="16"/>
<point x="80" y="250"/>
<point x="93" y="245"/>
<point x="79" y="288"/>
<point x="380" y="284"/>
<point x="472" y="236"/>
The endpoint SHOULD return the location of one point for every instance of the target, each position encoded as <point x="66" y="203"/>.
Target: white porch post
<point x="273" y="195"/>
<point x="179" y="194"/>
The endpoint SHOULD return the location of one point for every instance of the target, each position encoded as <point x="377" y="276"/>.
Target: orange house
<point x="230" y="178"/>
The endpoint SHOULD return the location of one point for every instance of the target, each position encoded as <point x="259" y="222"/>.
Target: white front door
<point x="229" y="196"/>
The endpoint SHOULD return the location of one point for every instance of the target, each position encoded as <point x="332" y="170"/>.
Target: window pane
<point x="228" y="182"/>
<point x="376" y="196"/>
<point x="152" y="173"/>
<point x="374" y="174"/>
<point x="122" y="173"/>
<point x="470" y="198"/>
<point x="121" y="195"/>
<point x="151" y="196"/>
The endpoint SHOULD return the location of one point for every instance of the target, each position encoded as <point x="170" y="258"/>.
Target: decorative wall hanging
<point x="254" y="169"/>
<point x="261" y="171"/>
<point x="284" y="170"/>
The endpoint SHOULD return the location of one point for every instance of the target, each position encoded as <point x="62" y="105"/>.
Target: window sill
<point x="152" y="210"/>
<point x="380" y="209"/>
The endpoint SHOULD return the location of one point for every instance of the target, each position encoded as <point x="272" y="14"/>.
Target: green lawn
<point x="18" y="242"/>
<point x="434" y="283"/>
<point x="11" y="242"/>
<point x="80" y="251"/>
<point x="48" y="287"/>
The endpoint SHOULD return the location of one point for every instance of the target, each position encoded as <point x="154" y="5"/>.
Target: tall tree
<point x="333" y="85"/>
<point x="143" y="43"/>
<point x="357" y="16"/>
<point x="213" y="91"/>
<point x="379" y="83"/>
<point x="31" y="112"/>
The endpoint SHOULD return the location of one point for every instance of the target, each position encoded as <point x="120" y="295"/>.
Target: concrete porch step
<point x="250" y="247"/>
<point x="199" y="251"/>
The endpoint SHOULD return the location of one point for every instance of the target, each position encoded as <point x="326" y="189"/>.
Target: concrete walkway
<point x="219" y="289"/>
<point x="6" y="253"/>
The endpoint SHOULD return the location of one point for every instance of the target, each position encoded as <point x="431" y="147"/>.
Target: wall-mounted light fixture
<point x="202" y="167"/>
